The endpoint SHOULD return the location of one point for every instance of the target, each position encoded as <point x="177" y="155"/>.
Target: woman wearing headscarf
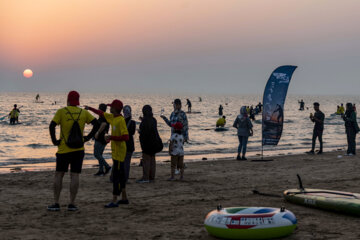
<point x="351" y="128"/>
<point x="151" y="144"/>
<point x="244" y="126"/>
<point x="130" y="147"/>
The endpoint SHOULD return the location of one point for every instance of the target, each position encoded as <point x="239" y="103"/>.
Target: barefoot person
<point x="119" y="136"/>
<point x="72" y="120"/>
<point x="100" y="143"/>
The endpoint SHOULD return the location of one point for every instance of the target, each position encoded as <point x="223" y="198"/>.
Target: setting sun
<point x="28" y="73"/>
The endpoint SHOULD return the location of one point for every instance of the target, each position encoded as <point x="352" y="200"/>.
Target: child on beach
<point x="119" y="136"/>
<point x="176" y="151"/>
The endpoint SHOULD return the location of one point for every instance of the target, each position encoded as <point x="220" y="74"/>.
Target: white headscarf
<point x="127" y="112"/>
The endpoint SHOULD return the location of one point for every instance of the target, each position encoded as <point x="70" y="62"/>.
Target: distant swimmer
<point x="338" y="110"/>
<point x="302" y="105"/>
<point x="14" y="115"/>
<point x="280" y="111"/>
<point x="342" y="109"/>
<point x="188" y="103"/>
<point x="221" y="110"/>
<point x="221" y="122"/>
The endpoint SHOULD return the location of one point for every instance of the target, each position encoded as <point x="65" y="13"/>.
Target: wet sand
<point x="176" y="210"/>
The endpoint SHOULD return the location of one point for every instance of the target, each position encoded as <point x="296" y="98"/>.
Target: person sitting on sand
<point x="70" y="155"/>
<point x="100" y="144"/>
<point x="318" y="119"/>
<point x="119" y="136"/>
<point x="221" y="122"/>
<point x="178" y="116"/>
<point x="176" y="151"/>
<point x="244" y="126"/>
<point x="351" y="127"/>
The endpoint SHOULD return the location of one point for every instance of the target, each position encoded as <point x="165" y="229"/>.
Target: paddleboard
<point x="343" y="202"/>
<point x="250" y="223"/>
<point x="221" y="129"/>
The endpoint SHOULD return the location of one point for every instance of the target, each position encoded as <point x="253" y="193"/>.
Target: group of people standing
<point x="351" y="127"/>
<point x="72" y="120"/>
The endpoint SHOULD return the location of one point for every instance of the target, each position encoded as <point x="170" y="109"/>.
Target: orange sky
<point x="86" y="35"/>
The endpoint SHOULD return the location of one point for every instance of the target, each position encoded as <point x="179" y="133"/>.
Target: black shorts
<point x="75" y="159"/>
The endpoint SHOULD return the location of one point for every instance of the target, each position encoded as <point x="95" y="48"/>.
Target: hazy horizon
<point x="179" y="47"/>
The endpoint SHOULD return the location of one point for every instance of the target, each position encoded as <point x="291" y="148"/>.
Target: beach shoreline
<point x="176" y="210"/>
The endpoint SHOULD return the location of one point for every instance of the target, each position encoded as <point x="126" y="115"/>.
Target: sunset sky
<point x="173" y="46"/>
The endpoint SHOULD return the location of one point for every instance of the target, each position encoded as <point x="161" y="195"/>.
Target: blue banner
<point x="273" y="101"/>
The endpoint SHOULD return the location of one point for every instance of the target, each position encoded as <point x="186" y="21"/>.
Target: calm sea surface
<point x="28" y="144"/>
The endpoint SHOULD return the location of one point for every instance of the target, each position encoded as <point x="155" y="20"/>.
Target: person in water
<point x="351" y="127"/>
<point x="119" y="136"/>
<point x="176" y="151"/>
<point x="318" y="118"/>
<point x="342" y="109"/>
<point x="65" y="156"/>
<point x="280" y="116"/>
<point x="221" y="122"/>
<point x="221" y="110"/>
<point x="302" y="105"/>
<point x="178" y="116"/>
<point x="14" y="115"/>
<point x="244" y="129"/>
<point x="188" y="103"/>
<point x="338" y="110"/>
<point x="130" y="146"/>
<point x="100" y="143"/>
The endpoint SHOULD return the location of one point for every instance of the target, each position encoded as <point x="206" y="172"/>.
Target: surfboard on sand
<point x="337" y="201"/>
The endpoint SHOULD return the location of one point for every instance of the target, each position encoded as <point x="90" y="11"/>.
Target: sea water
<point x="28" y="144"/>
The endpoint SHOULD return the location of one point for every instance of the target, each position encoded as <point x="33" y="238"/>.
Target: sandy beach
<point x="176" y="210"/>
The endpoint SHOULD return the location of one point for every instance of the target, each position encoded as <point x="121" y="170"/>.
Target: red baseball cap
<point x="117" y="104"/>
<point x="73" y="98"/>
<point x="177" y="126"/>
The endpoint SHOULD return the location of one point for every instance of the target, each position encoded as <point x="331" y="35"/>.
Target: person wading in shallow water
<point x="72" y="120"/>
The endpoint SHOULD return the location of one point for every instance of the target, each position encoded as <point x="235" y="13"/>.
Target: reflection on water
<point x="29" y="142"/>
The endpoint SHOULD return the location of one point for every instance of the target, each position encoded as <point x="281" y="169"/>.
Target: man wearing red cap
<point x="72" y="120"/>
<point x="118" y="138"/>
